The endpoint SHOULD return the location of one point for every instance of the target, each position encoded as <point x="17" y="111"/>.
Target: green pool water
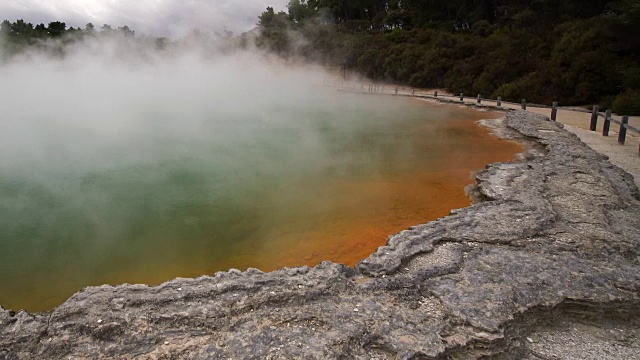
<point x="164" y="190"/>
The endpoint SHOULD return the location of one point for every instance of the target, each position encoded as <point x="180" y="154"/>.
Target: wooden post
<point x="462" y="97"/>
<point x="607" y="123"/>
<point x="413" y="92"/>
<point x="524" y="104"/>
<point x="554" y="111"/>
<point x="594" y="118"/>
<point x="479" y="100"/>
<point x="499" y="102"/>
<point x="435" y="93"/>
<point x="622" y="134"/>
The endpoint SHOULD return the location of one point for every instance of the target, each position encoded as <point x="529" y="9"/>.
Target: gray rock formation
<point x="555" y="233"/>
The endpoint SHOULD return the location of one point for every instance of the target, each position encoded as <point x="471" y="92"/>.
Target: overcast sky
<point x="151" y="17"/>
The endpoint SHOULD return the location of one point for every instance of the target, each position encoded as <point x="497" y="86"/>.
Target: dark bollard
<point x="462" y="97"/>
<point x="623" y="130"/>
<point x="594" y="118"/>
<point x="554" y="111"/>
<point x="435" y="94"/>
<point x="524" y="104"/>
<point x="479" y="100"/>
<point x="396" y="90"/>
<point x="607" y="123"/>
<point x="499" y="102"/>
<point x="413" y="92"/>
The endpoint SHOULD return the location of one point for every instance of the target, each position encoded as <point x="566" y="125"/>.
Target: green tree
<point x="274" y="28"/>
<point x="56" y="28"/>
<point x="5" y="28"/>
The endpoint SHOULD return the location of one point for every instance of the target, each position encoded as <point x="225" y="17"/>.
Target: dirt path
<point x="625" y="156"/>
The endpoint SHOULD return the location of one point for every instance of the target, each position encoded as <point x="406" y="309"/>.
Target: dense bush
<point x="627" y="103"/>
<point x="548" y="50"/>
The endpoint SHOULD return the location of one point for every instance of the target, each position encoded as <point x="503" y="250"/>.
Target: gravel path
<point x="625" y="156"/>
<point x="599" y="339"/>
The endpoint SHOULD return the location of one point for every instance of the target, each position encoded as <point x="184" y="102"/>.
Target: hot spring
<point x="139" y="174"/>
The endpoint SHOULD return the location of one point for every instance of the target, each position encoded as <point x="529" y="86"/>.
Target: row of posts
<point x="374" y="88"/>
<point x="498" y="102"/>
<point x="622" y="133"/>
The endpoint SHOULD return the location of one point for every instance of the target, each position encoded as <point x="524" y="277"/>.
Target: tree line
<point x="570" y="51"/>
<point x="55" y="39"/>
<point x="20" y="36"/>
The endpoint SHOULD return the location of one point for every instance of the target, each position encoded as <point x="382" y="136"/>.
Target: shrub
<point x="627" y="103"/>
<point x="513" y="91"/>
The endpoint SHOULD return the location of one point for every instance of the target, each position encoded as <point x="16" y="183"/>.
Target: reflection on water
<point x="187" y="197"/>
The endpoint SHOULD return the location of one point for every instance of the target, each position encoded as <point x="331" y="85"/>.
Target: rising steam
<point x="125" y="161"/>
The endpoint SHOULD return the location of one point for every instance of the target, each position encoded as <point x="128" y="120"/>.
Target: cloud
<point x="152" y="17"/>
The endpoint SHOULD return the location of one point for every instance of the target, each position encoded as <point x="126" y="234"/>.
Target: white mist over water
<point x="102" y="101"/>
<point x="123" y="164"/>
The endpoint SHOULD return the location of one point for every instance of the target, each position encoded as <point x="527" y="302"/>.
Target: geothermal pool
<point x="177" y="192"/>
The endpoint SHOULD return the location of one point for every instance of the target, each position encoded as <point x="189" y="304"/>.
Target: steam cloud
<point x="114" y="152"/>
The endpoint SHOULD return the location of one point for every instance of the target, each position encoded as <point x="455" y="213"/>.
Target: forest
<point x="570" y="51"/>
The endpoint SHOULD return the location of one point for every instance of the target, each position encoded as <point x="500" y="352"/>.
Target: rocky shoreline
<point x="553" y="235"/>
